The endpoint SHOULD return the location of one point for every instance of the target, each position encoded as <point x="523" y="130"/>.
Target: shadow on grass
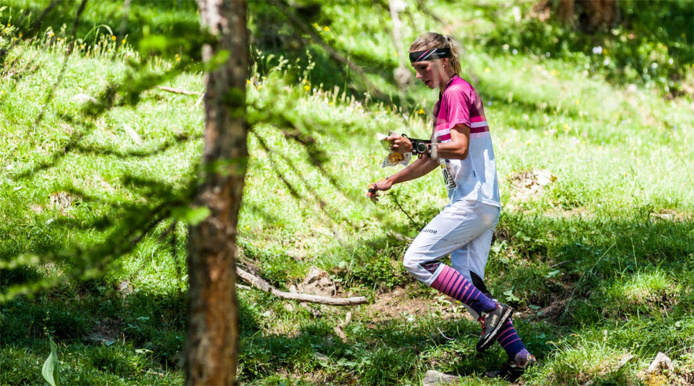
<point x="631" y="276"/>
<point x="633" y="273"/>
<point x="168" y="17"/>
<point x="102" y="312"/>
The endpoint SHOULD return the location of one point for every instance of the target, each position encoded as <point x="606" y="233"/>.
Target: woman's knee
<point x="419" y="265"/>
<point x="411" y="261"/>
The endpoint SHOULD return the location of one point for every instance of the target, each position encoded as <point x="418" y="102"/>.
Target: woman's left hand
<point x="383" y="185"/>
<point x="400" y="144"/>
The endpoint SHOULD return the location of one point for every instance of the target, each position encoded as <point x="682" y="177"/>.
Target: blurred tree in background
<point x="588" y="15"/>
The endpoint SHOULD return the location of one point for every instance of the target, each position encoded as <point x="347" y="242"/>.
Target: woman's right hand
<point x="400" y="144"/>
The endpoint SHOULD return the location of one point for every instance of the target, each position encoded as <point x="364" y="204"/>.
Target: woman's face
<point x="431" y="72"/>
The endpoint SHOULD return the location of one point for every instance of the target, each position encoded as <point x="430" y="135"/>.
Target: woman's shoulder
<point x="458" y="83"/>
<point x="457" y="88"/>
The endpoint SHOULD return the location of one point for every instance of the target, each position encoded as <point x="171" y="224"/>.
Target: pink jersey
<point x="473" y="178"/>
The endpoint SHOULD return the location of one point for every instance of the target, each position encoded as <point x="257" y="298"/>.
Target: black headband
<point x="436" y="53"/>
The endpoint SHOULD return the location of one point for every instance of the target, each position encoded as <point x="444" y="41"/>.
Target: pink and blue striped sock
<point x="455" y="285"/>
<point x="508" y="339"/>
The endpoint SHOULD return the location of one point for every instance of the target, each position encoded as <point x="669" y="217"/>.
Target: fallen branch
<point x="264" y="286"/>
<point x="178" y="90"/>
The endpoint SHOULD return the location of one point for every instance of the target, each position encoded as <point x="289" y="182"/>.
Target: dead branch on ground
<point x="264" y="286"/>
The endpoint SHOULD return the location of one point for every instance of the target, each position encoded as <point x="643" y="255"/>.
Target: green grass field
<point x="598" y="263"/>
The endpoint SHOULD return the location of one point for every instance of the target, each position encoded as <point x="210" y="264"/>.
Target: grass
<point x="598" y="263"/>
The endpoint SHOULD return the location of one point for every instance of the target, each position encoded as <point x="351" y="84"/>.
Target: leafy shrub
<point x="167" y="346"/>
<point x="118" y="359"/>
<point x="18" y="366"/>
<point x="651" y="45"/>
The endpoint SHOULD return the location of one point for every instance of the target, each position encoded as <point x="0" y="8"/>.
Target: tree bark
<point x="598" y="14"/>
<point x="588" y="15"/>
<point x="565" y="12"/>
<point x="211" y="348"/>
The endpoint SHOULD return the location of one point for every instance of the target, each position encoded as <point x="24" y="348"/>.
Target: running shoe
<point x="514" y="369"/>
<point x="492" y="322"/>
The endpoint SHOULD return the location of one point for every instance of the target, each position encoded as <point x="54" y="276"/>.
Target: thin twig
<point x="199" y="100"/>
<point x="443" y="335"/>
<point x="418" y="226"/>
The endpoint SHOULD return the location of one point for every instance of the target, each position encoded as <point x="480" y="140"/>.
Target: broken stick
<point x="178" y="90"/>
<point x="264" y="286"/>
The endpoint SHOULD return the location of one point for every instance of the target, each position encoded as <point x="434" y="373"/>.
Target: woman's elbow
<point x="461" y="154"/>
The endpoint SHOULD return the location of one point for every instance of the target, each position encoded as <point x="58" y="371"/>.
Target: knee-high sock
<point x="508" y="339"/>
<point x="455" y="285"/>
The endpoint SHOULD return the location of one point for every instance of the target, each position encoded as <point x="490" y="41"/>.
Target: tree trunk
<point x="211" y="348"/>
<point x="590" y="15"/>
<point x="598" y="14"/>
<point x="565" y="12"/>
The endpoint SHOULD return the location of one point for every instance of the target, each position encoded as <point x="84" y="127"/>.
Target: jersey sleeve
<point x="458" y="103"/>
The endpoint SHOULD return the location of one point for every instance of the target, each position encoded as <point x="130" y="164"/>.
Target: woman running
<point x="462" y="147"/>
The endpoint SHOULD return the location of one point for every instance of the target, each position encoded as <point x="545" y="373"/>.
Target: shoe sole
<point x="484" y="344"/>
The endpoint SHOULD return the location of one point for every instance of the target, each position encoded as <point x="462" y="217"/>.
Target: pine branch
<point x="303" y="27"/>
<point x="63" y="69"/>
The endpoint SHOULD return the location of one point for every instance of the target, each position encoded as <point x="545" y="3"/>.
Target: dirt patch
<point x="529" y="184"/>
<point x="106" y="331"/>
<point x="687" y="378"/>
<point x="569" y="213"/>
<point x="670" y="215"/>
<point x="318" y="282"/>
<point x="62" y="201"/>
<point x="554" y="310"/>
<point x="400" y="304"/>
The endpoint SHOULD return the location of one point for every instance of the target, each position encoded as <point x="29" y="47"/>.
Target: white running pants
<point x="462" y="229"/>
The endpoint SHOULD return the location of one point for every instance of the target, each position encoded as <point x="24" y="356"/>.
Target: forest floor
<point x="594" y="248"/>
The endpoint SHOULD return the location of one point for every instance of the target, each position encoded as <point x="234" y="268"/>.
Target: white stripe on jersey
<point x="441" y="133"/>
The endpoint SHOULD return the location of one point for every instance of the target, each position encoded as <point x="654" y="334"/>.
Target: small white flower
<point x="606" y="62"/>
<point x="654" y="65"/>
<point x="597" y="50"/>
<point x="515" y="51"/>
<point x="505" y="47"/>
